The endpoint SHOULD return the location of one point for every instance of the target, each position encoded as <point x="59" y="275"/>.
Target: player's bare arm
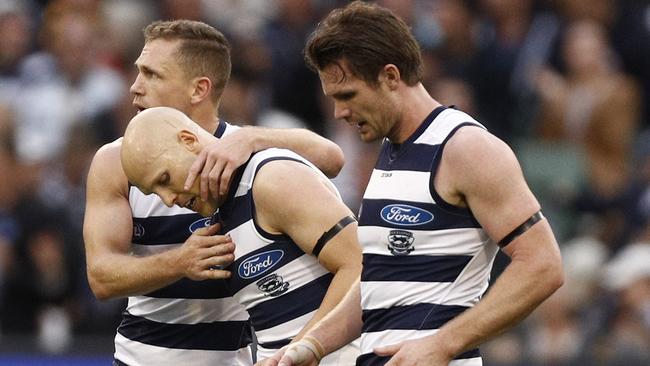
<point x="290" y="198"/>
<point x="339" y="327"/>
<point x="112" y="270"/>
<point x="501" y="203"/>
<point x="216" y="163"/>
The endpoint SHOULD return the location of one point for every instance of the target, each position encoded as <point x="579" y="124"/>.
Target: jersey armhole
<point x="457" y="210"/>
<point x="265" y="234"/>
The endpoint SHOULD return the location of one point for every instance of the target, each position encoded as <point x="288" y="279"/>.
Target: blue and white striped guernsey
<point x="424" y="260"/>
<point x="280" y="285"/>
<point x="187" y="322"/>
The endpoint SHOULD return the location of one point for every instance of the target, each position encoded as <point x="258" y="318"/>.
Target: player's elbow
<point x="335" y="159"/>
<point x="549" y="273"/>
<point x="99" y="288"/>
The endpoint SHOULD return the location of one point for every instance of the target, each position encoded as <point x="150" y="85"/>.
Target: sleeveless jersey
<point x="424" y="260"/>
<point x="188" y="322"/>
<point x="280" y="285"/>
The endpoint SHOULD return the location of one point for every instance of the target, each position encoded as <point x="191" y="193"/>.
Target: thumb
<point x="387" y="350"/>
<point x="208" y="230"/>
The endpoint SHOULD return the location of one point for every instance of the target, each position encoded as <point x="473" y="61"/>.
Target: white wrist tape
<point x="304" y="349"/>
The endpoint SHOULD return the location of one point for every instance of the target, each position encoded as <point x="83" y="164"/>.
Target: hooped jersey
<point x="188" y="322"/>
<point x="280" y="286"/>
<point x="425" y="261"/>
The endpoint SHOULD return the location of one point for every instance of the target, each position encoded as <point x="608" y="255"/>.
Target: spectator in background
<point x="291" y="84"/>
<point x="65" y="84"/>
<point x="16" y="40"/>
<point x="596" y="108"/>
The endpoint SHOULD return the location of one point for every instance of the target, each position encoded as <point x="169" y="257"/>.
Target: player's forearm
<point x="517" y="292"/>
<point x="323" y="153"/>
<point x="341" y="283"/>
<point x="343" y="324"/>
<point x="120" y="275"/>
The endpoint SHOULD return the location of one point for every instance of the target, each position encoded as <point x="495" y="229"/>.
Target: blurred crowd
<point x="565" y="82"/>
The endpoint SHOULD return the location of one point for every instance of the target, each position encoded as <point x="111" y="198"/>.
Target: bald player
<point x="297" y="252"/>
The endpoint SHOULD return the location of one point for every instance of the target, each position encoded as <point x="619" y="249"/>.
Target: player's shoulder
<point x="106" y="167"/>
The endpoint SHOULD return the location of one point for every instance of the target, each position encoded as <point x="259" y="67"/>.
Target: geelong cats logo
<point x="272" y="285"/>
<point x="405" y="215"/>
<point x="259" y="264"/>
<point x="400" y="242"/>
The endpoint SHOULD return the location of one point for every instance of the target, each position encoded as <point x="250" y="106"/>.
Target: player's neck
<point x="418" y="104"/>
<point x="207" y="119"/>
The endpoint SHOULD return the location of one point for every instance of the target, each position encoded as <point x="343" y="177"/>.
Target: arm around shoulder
<point x="322" y="152"/>
<point x="107" y="230"/>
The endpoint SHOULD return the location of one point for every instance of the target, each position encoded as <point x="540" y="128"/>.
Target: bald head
<point x="158" y="149"/>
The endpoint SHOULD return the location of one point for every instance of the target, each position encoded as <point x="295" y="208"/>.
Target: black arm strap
<point x="521" y="229"/>
<point x="329" y="234"/>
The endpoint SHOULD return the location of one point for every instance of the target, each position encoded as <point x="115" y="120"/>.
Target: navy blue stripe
<point x="290" y="305"/>
<point x="371" y="215"/>
<point x="419" y="316"/>
<point x="415" y="157"/>
<point x="220" y="336"/>
<point x="371" y="359"/>
<point x="413" y="268"/>
<point x="159" y="230"/>
<point x="221" y="128"/>
<point x="188" y="289"/>
<point x="290" y="251"/>
<point x="237" y="211"/>
<point x="276" y="344"/>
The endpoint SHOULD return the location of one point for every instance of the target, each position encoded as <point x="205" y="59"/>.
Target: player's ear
<point x="188" y="140"/>
<point x="390" y="75"/>
<point x="202" y="89"/>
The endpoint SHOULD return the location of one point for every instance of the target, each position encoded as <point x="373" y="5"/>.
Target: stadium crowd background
<point x="565" y="82"/>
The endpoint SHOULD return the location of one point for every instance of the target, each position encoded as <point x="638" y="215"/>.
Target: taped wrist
<point x="313" y="345"/>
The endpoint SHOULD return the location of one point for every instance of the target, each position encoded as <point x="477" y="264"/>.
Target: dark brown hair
<point x="204" y="51"/>
<point x="368" y="37"/>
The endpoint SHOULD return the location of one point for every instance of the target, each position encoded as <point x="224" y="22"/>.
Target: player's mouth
<point x="190" y="203"/>
<point x="139" y="107"/>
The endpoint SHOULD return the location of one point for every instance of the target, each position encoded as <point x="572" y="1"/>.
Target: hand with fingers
<point x="416" y="352"/>
<point x="204" y="253"/>
<point x="217" y="162"/>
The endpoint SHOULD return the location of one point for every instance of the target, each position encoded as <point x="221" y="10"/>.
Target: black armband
<point x="521" y="229"/>
<point x="329" y="234"/>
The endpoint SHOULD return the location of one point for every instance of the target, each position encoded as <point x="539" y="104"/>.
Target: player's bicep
<point x="108" y="222"/>
<point x="292" y="199"/>
<point x="489" y="177"/>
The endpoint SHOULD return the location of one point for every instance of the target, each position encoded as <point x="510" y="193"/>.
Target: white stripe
<point x="247" y="239"/>
<point x="466" y="241"/>
<point x="381" y="295"/>
<point x="474" y="279"/>
<point x="402" y="185"/>
<point x="389" y="337"/>
<point x="139" y="354"/>
<point x="285" y="330"/>
<point x="444" y="123"/>
<point x="297" y="273"/>
<point x="186" y="311"/>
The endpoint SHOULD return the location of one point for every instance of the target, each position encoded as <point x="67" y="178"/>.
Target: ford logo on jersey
<point x="205" y="222"/>
<point x="259" y="264"/>
<point x="405" y="215"/>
